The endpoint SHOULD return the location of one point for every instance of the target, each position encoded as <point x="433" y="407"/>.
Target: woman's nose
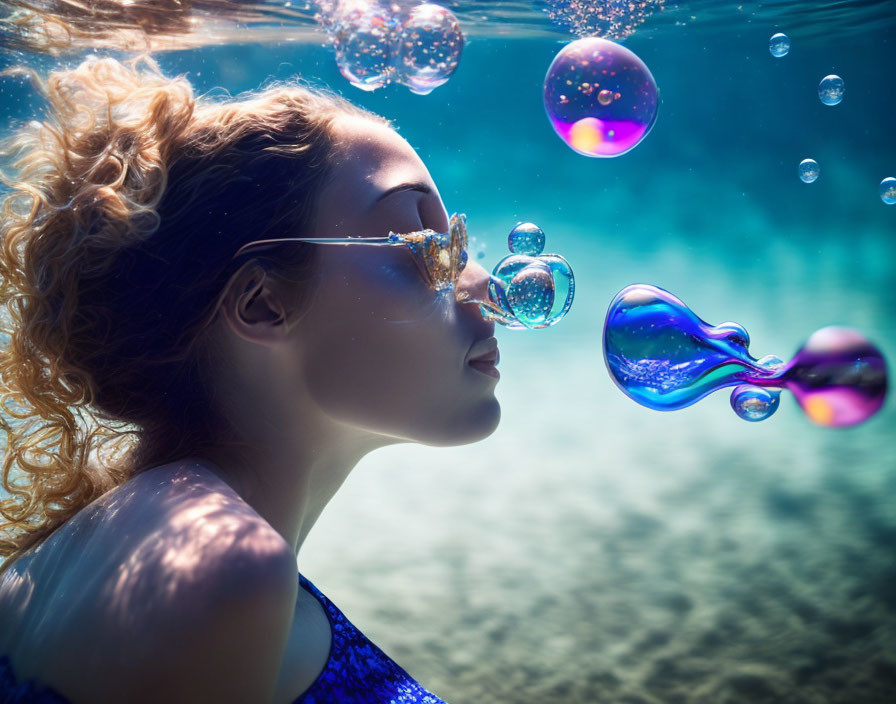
<point x="472" y="284"/>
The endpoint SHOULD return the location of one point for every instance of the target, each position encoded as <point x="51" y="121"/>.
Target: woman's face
<point x="378" y="348"/>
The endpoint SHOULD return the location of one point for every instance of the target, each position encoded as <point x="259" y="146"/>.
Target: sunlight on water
<point x="170" y="26"/>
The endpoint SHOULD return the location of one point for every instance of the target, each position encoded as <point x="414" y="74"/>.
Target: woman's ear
<point x="253" y="307"/>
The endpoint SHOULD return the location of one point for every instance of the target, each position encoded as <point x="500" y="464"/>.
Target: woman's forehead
<point x="372" y="158"/>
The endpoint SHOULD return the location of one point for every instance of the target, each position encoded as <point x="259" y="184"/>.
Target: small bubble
<point x="831" y="89"/>
<point x="809" y="170"/>
<point x="779" y="45"/>
<point x="526" y="238"/>
<point x="754" y="403"/>
<point x="888" y="190"/>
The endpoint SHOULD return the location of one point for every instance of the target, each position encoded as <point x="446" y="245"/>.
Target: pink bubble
<point x="600" y="97"/>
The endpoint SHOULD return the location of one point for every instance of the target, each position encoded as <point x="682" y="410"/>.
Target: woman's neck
<point x="289" y="486"/>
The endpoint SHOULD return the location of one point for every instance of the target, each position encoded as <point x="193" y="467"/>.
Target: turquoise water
<point x="593" y="550"/>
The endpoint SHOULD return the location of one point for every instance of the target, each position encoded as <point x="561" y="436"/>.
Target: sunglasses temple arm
<point x="347" y="240"/>
<point x="258" y="244"/>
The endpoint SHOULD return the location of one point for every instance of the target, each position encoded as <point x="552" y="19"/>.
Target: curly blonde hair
<point x="123" y="211"/>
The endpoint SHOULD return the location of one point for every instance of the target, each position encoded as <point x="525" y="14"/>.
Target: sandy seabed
<point x="592" y="550"/>
<point x="670" y="569"/>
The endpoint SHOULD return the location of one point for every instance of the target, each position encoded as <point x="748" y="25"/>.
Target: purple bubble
<point x="600" y="97"/>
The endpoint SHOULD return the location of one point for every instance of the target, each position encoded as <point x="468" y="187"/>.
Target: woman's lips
<point x="486" y="368"/>
<point x="486" y="357"/>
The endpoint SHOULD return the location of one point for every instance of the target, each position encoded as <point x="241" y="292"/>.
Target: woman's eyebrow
<point x="416" y="186"/>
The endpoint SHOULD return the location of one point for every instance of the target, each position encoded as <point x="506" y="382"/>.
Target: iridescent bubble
<point x="888" y="190"/>
<point x="363" y="32"/>
<point x="779" y="45"/>
<point x="663" y="356"/>
<point x="831" y="89"/>
<point x="754" y="403"/>
<point x="526" y="238"/>
<point x="809" y="170"/>
<point x="579" y="75"/>
<point x="428" y="48"/>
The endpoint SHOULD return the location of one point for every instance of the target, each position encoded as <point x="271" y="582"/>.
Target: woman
<point x="178" y="416"/>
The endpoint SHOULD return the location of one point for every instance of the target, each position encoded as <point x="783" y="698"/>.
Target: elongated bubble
<point x="663" y="356"/>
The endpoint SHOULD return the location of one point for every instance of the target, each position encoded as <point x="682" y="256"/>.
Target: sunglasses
<point x="527" y="289"/>
<point x="440" y="256"/>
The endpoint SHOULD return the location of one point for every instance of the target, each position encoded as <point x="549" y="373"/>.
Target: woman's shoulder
<point x="166" y="561"/>
<point x="174" y="521"/>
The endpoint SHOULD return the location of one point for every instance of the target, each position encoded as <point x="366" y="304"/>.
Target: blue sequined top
<point x="357" y="672"/>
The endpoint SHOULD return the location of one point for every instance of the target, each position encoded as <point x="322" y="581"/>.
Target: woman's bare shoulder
<point x="180" y="522"/>
<point x="162" y="556"/>
<point x="175" y="520"/>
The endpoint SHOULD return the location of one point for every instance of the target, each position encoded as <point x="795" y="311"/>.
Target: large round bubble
<point x="428" y="48"/>
<point x="600" y="97"/>
<point x="363" y="34"/>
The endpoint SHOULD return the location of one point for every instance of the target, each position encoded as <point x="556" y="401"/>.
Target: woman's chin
<point x="474" y="426"/>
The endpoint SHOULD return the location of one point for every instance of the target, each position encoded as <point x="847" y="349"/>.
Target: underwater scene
<point x="737" y="156"/>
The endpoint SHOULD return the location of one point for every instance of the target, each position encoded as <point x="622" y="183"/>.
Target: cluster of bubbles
<point x="529" y="289"/>
<point x="600" y="97"/>
<point x="830" y="89"/>
<point x="375" y="43"/>
<point x="830" y="92"/>
<point x="663" y="356"/>
<point x="611" y="19"/>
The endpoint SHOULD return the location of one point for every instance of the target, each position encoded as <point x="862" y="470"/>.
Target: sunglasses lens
<point x="457" y="234"/>
<point x="443" y="256"/>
